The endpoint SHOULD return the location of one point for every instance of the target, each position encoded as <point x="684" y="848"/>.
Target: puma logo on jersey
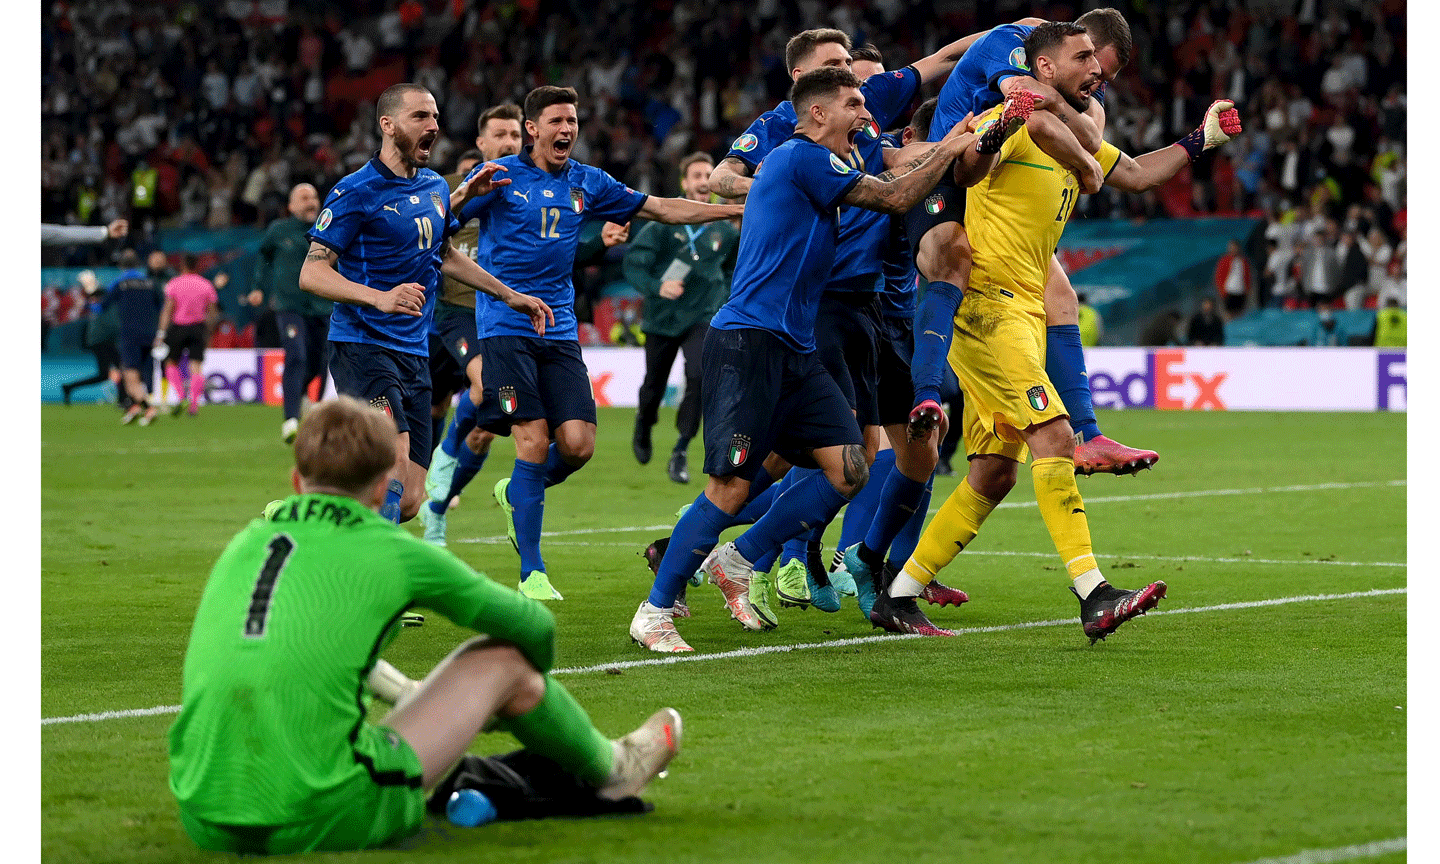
<point x="933" y="333"/>
<point x="519" y="194"/>
<point x="395" y="209"/>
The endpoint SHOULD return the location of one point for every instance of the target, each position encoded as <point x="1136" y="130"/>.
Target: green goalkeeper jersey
<point x="294" y="615"/>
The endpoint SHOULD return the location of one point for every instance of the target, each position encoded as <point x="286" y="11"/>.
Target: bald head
<point x="304" y="202"/>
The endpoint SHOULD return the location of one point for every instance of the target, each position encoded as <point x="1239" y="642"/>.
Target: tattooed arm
<point x="898" y="190"/>
<point x="731" y="178"/>
<point x="319" y="277"/>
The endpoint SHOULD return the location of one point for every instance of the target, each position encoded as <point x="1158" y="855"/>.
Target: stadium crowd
<point x="206" y="114"/>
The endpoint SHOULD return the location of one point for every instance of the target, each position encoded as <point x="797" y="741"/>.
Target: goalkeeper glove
<point x="1221" y="123"/>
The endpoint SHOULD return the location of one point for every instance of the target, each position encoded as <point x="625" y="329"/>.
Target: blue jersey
<point x="974" y="84"/>
<point x="862" y="232"/>
<point x="137" y="299"/>
<point x="387" y="230"/>
<point x="897" y="297"/>
<point x="529" y="231"/>
<point x="787" y="242"/>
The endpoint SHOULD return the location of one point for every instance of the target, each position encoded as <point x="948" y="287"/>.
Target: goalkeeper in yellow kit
<point x="1015" y="218"/>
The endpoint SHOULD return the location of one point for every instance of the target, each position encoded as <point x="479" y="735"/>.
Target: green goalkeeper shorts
<point x="367" y="813"/>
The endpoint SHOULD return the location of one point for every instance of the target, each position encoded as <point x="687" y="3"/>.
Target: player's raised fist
<point x="405" y="299"/>
<point x="1222" y="122"/>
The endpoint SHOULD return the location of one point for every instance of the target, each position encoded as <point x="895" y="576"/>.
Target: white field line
<point x="1342" y="853"/>
<point x="807" y="646"/>
<point x="1100" y="499"/>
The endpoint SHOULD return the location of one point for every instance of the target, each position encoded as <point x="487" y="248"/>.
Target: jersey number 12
<point x="554" y="228"/>
<point x="280" y="550"/>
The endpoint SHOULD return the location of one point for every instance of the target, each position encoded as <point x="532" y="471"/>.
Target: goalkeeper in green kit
<point x="272" y="753"/>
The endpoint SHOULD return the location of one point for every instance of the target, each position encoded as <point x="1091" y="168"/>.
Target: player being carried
<point x="1016" y="217"/>
<point x="765" y="388"/>
<point x="992" y="69"/>
<point x="379" y="248"/>
<point x="537" y="387"/>
<point x="272" y="754"/>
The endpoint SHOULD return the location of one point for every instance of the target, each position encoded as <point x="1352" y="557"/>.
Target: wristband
<point x="1194" y="143"/>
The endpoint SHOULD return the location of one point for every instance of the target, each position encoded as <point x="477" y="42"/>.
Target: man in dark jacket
<point x="137" y="297"/>
<point x="684" y="272"/>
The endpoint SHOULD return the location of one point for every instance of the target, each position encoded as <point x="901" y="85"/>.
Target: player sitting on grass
<point x="271" y="752"/>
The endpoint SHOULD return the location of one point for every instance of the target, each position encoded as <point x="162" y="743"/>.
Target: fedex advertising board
<point x="1193" y="379"/>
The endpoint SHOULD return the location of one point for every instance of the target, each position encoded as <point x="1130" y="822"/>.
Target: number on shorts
<point x="280" y="549"/>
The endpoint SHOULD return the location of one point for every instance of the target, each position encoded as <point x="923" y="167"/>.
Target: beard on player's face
<point x="415" y="151"/>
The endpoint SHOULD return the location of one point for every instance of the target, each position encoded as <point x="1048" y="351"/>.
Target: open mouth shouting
<point x="561" y="147"/>
<point x="852" y="135"/>
<point x="423" y="145"/>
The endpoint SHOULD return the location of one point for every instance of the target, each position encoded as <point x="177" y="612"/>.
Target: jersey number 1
<point x="280" y="549"/>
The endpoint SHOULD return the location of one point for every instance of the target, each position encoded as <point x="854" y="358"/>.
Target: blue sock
<point x="391" y="508"/>
<point x="794" y="548"/>
<point x="903" y="546"/>
<point x="468" y="465"/>
<point x="861" y="511"/>
<point x="934" y="327"/>
<point x="694" y="536"/>
<point x="437" y="430"/>
<point x="460" y="426"/>
<point x="527" y="496"/>
<point x="556" y="468"/>
<point x="765" y="499"/>
<point x="810" y="502"/>
<point x="898" y="502"/>
<point x="1065" y="366"/>
<point x="767" y="561"/>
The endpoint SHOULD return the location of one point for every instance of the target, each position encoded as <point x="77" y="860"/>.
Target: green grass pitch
<point x="1220" y="735"/>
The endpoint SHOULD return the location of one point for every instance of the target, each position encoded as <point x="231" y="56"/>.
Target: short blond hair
<point x="345" y="444"/>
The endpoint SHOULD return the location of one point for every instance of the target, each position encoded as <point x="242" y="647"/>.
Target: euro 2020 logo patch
<point x="324" y="221"/>
<point x="1038" y="399"/>
<point x="1017" y="59"/>
<point x="508" y="403"/>
<point x="838" y="165"/>
<point x="739" y="449"/>
<point x="745" y="143"/>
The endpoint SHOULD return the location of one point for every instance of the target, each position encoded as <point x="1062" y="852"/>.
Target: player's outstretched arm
<point x="683" y="211"/>
<point x="1221" y="123"/>
<point x="731" y="178"/>
<point x="460" y="267"/>
<point x="896" y="191"/>
<point x="481" y="182"/>
<point x="319" y="277"/>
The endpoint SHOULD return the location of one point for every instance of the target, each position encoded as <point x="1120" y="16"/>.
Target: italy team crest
<point x="1038" y="398"/>
<point x="935" y="204"/>
<point x="508" y="403"/>
<point x="577" y="200"/>
<point x="464" y="347"/>
<point x="739" y="449"/>
<point x="872" y="129"/>
<point x="439" y="206"/>
<point x="383" y="404"/>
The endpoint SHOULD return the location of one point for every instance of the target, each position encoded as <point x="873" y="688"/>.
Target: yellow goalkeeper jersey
<point x="1015" y="217"/>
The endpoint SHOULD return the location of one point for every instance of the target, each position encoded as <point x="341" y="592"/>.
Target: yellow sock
<point x="951" y="530"/>
<point x="1064" y="512"/>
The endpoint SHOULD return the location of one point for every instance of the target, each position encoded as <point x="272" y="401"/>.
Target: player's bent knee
<point x="992" y="476"/>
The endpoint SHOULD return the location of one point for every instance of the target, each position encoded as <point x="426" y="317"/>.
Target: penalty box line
<point x="807" y="646"/>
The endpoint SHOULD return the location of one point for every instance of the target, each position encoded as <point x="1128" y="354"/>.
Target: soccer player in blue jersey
<point x="538" y="389"/>
<point x="765" y="388"/>
<point x="378" y="248"/>
<point x="993" y="68"/>
<point x="848" y="323"/>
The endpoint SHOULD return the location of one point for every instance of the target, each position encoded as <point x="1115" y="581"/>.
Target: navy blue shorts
<point x="135" y="352"/>
<point x="847" y="333"/>
<point x="530" y="378"/>
<point x="393" y="381"/>
<point x="945" y="204"/>
<point x="896" y="392"/>
<point x="760" y="395"/>
<point x="457" y="331"/>
<point x="446" y="377"/>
